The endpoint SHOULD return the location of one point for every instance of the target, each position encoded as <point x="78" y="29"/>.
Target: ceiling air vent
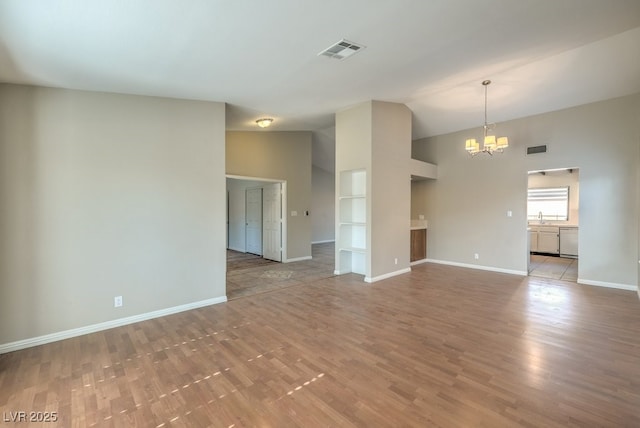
<point x="536" y="149"/>
<point x="341" y="50"/>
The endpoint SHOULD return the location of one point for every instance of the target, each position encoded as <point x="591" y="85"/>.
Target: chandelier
<point x="490" y="144"/>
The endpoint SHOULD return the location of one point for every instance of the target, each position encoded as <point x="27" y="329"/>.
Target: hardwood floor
<point x="441" y="346"/>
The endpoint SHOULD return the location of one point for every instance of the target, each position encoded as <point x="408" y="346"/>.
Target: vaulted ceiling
<point x="261" y="57"/>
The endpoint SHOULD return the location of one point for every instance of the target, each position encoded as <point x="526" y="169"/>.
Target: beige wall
<point x="322" y="205"/>
<point x="391" y="188"/>
<point x="105" y="195"/>
<point x="353" y="152"/>
<point x="376" y="136"/>
<point x="419" y="200"/>
<point x="280" y="156"/>
<point x="466" y="207"/>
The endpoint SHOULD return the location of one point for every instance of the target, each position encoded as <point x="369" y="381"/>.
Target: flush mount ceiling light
<point x="341" y="50"/>
<point x="491" y="144"/>
<point x="264" y="122"/>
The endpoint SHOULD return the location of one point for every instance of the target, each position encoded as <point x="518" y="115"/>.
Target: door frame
<point x="284" y="205"/>
<point x="528" y="242"/>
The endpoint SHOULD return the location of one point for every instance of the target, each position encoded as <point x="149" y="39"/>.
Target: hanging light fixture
<point x="264" y="122"/>
<point x="490" y="144"/>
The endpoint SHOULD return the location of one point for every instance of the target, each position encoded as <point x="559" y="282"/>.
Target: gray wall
<point x="466" y="207"/>
<point x="280" y="156"/>
<point x="322" y="205"/>
<point x="105" y="195"/>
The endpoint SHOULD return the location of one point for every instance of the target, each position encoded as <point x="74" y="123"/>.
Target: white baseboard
<point x="487" y="268"/>
<point x="524" y="273"/>
<point x="67" y="334"/>
<point x="297" y="259"/>
<point x="323" y="242"/>
<point x="607" y="284"/>
<point x="387" y="275"/>
<point x="418" y="262"/>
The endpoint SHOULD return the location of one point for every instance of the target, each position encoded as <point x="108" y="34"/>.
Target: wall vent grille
<point x="536" y="149"/>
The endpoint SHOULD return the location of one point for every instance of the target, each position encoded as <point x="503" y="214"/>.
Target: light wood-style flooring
<point x="441" y="346"/>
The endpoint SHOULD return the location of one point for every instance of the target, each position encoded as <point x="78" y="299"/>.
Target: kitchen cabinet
<point x="544" y="239"/>
<point x="548" y="242"/>
<point x="418" y="244"/>
<point x="533" y="240"/>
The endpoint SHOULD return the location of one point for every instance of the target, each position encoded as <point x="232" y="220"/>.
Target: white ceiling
<point x="261" y="57"/>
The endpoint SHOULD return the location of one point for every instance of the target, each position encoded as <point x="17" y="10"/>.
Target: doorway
<point x="254" y="226"/>
<point x="272" y="221"/>
<point x="253" y="221"/>
<point x="553" y="217"/>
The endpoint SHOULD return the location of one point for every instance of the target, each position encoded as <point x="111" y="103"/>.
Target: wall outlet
<point x="117" y="301"/>
<point x="509" y="213"/>
<point x="421" y="217"/>
<point x="396" y="260"/>
<point x="476" y="256"/>
<point x="294" y="213"/>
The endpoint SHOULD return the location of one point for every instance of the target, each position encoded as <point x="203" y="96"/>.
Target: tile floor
<point x="562" y="268"/>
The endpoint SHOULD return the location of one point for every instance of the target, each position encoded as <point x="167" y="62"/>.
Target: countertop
<point x="566" y="226"/>
<point x="418" y="224"/>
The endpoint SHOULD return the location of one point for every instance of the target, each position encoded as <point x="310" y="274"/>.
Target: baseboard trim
<point x="607" y="284"/>
<point x="479" y="267"/>
<point x="240" y="250"/>
<point x="297" y="259"/>
<point x="323" y="242"/>
<point x="418" y="262"/>
<point x="387" y="275"/>
<point x="67" y="334"/>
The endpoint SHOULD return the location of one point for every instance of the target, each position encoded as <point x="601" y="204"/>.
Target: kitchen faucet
<point x="540" y="217"/>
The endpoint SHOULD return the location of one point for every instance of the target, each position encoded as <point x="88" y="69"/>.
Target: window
<point x="548" y="203"/>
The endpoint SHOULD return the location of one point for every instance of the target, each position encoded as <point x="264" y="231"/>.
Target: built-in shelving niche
<point x="352" y="231"/>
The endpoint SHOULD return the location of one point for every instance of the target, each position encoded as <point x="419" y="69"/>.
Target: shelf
<point x="353" y="183"/>
<point x="351" y="233"/>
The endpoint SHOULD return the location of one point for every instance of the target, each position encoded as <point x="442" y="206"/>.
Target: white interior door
<point x="253" y="223"/>
<point x="272" y="221"/>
